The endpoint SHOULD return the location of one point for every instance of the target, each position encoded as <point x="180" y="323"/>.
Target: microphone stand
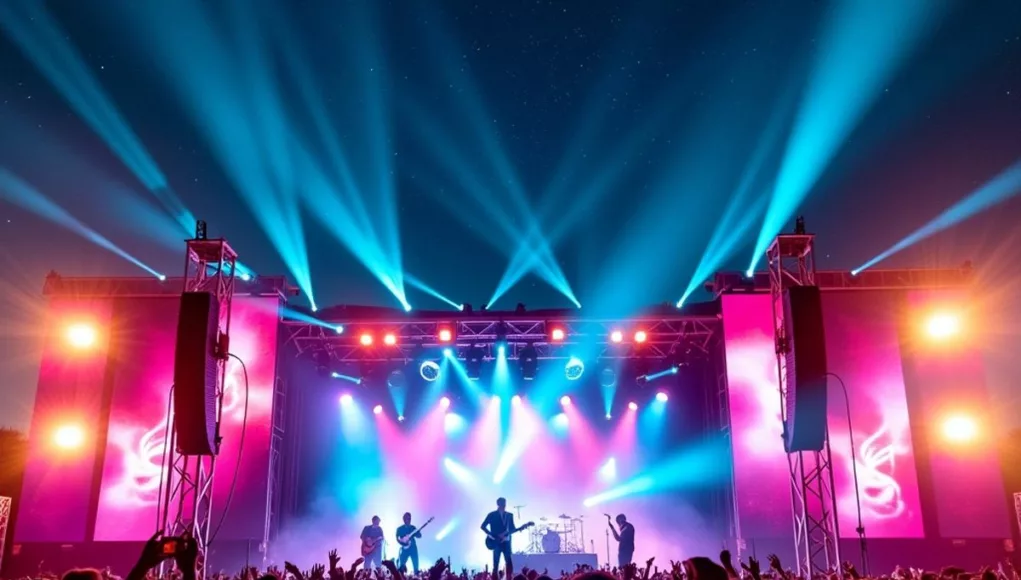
<point x="607" y="547"/>
<point x="862" y="541"/>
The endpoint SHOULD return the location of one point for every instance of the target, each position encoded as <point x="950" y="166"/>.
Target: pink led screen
<point x="862" y="346"/>
<point x="60" y="470"/>
<point x="138" y="419"/>
<point x="947" y="379"/>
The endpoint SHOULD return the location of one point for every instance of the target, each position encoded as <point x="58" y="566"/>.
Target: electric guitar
<point x="369" y="545"/>
<point x="405" y="540"/>
<point x="494" y="543"/>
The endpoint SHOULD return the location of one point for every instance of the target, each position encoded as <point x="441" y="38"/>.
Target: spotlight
<point x="69" y="437"/>
<point x="429" y="370"/>
<point x="445" y="402"/>
<point x="661" y="397"/>
<point x="616" y="336"/>
<point x="473" y="362"/>
<point x="609" y="416"/>
<point x="565" y="400"/>
<point x="245" y="277"/>
<point x="445" y="335"/>
<point x="377" y="410"/>
<point x="365" y="339"/>
<point x="162" y="277"/>
<point x="400" y="418"/>
<point x="339" y="329"/>
<point x="389" y="339"/>
<point x="943" y="325"/>
<point x="448" y="352"/>
<point x="529" y="361"/>
<point x="346" y="399"/>
<point x="81" y="336"/>
<point x="557" y="335"/>
<point x="633" y="406"/>
<point x="608" y="377"/>
<point x="960" y="429"/>
<point x="515" y="400"/>
<point x="396" y="379"/>
<point x="641" y="336"/>
<point x="574" y="369"/>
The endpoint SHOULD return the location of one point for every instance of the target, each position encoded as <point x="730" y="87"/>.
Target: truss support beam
<point x="816" y="536"/>
<point x="187" y="483"/>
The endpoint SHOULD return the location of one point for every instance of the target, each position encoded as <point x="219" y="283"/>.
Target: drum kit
<point x="563" y="534"/>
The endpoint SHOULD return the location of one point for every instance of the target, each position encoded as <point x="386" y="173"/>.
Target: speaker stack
<point x="195" y="374"/>
<point x="805" y="429"/>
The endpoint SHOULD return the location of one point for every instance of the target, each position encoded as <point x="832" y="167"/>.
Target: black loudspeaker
<point x="195" y="374"/>
<point x="805" y="429"/>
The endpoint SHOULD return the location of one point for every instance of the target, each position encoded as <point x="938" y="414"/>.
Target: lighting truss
<point x="186" y="484"/>
<point x="914" y="278"/>
<point x="813" y="503"/>
<point x="668" y="336"/>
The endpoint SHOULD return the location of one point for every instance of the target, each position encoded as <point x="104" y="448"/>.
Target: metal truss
<point x="187" y="483"/>
<point x="667" y="337"/>
<point x="813" y="503"/>
<point x="5" y="521"/>
<point x="725" y="282"/>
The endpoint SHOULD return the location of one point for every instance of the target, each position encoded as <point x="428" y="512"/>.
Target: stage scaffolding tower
<point x="186" y="486"/>
<point x="816" y="535"/>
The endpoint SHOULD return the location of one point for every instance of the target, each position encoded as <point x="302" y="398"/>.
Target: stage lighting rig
<point x="473" y="362"/>
<point x="799" y="226"/>
<point x="200" y="230"/>
<point x="528" y="359"/>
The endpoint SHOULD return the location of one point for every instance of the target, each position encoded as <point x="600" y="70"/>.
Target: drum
<point x="551" y="542"/>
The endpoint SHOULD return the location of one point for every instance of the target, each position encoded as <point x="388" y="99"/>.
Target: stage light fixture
<point x="445" y="335"/>
<point x="429" y="370"/>
<point x="960" y="429"/>
<point x="574" y="369"/>
<point x="339" y="329"/>
<point x="377" y="410"/>
<point x="445" y="402"/>
<point x="608" y="377"/>
<point x="515" y="400"/>
<point x="448" y="352"/>
<point x="641" y="336"/>
<point x="400" y="418"/>
<point x="943" y="325"/>
<point x="396" y="380"/>
<point x="609" y="416"/>
<point x="633" y="406"/>
<point x="390" y="339"/>
<point x="528" y="360"/>
<point x="81" y="336"/>
<point x="69" y="437"/>
<point x="662" y="397"/>
<point x="616" y="336"/>
<point x="565" y="400"/>
<point x="473" y="362"/>
<point x="557" y="335"/>
<point x="365" y="339"/>
<point x="346" y="399"/>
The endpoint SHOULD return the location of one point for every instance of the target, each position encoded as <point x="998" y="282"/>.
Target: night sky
<point x="616" y="132"/>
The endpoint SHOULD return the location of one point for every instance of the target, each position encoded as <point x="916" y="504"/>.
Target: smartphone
<point x="170" y="546"/>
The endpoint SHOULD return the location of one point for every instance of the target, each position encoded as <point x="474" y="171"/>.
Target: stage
<point x="671" y="418"/>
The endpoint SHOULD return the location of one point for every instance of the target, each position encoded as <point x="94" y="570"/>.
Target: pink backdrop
<point x="132" y="466"/>
<point x="57" y="486"/>
<point x="861" y="334"/>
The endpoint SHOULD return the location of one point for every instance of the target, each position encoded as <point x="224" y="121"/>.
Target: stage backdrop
<point x="116" y="495"/>
<point x="864" y="332"/>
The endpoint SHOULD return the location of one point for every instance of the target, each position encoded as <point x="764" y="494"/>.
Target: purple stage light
<point x="346" y="399"/>
<point x="445" y="402"/>
<point x="565" y="400"/>
<point x="378" y="409"/>
<point x="662" y="397"/>
<point x="633" y="406"/>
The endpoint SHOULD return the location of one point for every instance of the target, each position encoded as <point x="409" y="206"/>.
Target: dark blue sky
<point x="624" y="126"/>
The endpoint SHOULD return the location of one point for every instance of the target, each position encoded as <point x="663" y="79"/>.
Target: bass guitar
<point x="494" y="542"/>
<point x="369" y="545"/>
<point x="405" y="540"/>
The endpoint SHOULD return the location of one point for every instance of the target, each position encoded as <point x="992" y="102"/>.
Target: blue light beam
<point x="1001" y="188"/>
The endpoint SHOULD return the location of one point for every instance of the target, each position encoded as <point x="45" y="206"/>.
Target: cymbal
<point x="565" y="517"/>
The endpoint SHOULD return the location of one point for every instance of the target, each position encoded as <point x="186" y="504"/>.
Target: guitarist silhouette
<point x="499" y="526"/>
<point x="372" y="544"/>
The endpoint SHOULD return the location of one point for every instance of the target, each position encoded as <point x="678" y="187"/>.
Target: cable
<point x="854" y="472"/>
<point x="241" y="450"/>
<point x="168" y="470"/>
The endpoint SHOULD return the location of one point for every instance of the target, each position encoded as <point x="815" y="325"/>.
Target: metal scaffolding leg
<point x="813" y="504"/>
<point x="186" y="490"/>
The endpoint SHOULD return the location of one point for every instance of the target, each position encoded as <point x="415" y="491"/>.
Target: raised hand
<point x="293" y="570"/>
<point x="752" y="567"/>
<point x="334" y="559"/>
<point x="774" y="563"/>
<point x="318" y="572"/>
<point x="354" y="568"/>
<point x="152" y="554"/>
